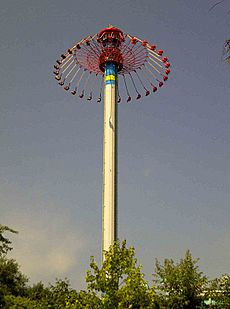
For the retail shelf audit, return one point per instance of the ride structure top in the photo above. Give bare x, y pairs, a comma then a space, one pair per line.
142, 66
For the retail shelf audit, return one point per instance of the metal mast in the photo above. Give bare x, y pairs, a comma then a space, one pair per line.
109, 209
111, 62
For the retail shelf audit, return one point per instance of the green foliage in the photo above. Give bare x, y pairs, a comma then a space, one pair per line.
59, 294
119, 283
37, 292
179, 285
12, 281
16, 302
84, 300
5, 242
219, 292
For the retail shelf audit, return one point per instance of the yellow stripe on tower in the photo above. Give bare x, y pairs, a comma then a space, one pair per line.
110, 77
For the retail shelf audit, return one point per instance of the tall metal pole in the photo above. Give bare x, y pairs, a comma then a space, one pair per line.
110, 158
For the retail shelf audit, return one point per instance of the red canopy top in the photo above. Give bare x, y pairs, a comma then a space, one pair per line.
109, 30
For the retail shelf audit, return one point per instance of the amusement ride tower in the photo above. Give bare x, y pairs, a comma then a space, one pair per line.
111, 54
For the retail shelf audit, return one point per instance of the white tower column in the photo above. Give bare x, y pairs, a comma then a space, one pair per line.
110, 158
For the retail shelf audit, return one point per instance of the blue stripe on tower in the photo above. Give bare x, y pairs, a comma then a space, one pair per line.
110, 73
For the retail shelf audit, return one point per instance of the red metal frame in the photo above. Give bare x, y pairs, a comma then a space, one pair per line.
131, 55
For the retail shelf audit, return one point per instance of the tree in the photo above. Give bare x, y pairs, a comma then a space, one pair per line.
219, 292
58, 295
226, 49
217, 3
118, 284
179, 285
16, 302
5, 242
12, 281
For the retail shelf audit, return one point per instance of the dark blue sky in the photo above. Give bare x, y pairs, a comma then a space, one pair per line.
174, 146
